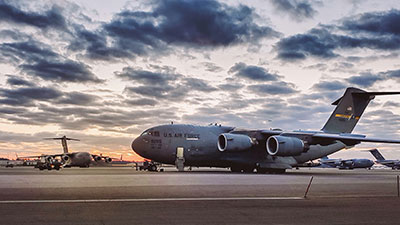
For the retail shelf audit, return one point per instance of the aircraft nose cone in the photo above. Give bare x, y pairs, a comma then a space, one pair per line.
134, 144
137, 146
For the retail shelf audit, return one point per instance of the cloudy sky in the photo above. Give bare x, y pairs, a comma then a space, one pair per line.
103, 71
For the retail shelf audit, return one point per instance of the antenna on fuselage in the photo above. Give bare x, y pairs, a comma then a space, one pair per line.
63, 141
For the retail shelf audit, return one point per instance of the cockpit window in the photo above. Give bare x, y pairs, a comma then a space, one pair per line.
151, 132
145, 133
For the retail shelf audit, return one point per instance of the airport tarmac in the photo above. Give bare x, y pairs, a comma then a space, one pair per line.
122, 195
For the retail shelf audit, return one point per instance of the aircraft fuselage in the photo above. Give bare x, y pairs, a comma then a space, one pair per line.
200, 148
81, 159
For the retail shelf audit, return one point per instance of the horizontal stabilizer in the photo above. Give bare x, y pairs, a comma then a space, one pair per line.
62, 138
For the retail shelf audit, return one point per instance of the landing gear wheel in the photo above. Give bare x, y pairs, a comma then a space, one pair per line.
153, 168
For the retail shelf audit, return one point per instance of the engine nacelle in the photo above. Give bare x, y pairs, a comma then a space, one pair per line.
65, 158
284, 146
234, 142
97, 158
107, 159
49, 159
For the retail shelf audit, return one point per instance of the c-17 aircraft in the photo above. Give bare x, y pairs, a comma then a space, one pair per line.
393, 163
78, 159
244, 150
345, 163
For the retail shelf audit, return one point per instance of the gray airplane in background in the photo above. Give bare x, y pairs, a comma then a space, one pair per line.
245, 150
393, 163
68, 159
345, 163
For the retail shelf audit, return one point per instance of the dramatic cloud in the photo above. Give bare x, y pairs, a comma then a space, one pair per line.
13, 13
391, 104
31, 95
26, 95
37, 59
364, 32
18, 81
230, 87
376, 23
66, 71
95, 46
190, 24
162, 85
365, 80
329, 86
198, 85
317, 43
255, 73
369, 79
77, 98
141, 102
146, 77
28, 51
393, 74
158, 92
278, 88
297, 9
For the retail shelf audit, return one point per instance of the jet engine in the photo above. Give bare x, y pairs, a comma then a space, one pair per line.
97, 158
107, 159
66, 159
234, 142
284, 146
49, 158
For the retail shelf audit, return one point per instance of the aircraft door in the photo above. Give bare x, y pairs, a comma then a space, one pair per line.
180, 159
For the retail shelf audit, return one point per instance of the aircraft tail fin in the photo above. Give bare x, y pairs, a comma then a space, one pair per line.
378, 156
349, 109
64, 144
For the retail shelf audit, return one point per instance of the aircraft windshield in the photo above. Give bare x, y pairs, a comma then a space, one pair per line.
151, 132
146, 132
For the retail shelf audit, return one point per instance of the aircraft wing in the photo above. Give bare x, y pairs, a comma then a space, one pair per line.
271, 132
353, 138
332, 137
39, 156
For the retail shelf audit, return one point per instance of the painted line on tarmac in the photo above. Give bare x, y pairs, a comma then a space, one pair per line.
148, 200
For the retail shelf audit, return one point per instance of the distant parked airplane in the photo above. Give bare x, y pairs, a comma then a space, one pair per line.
393, 163
81, 159
346, 163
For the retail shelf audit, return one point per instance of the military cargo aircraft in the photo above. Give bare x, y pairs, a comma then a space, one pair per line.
345, 163
271, 150
393, 163
67, 159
